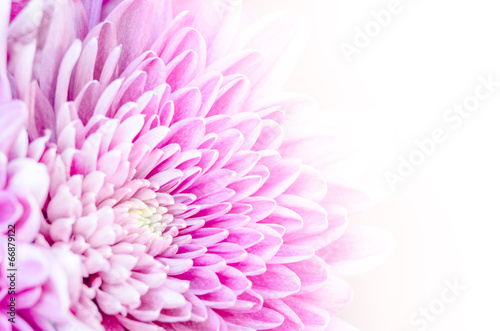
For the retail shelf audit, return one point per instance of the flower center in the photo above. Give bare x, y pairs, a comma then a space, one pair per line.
146, 214
155, 219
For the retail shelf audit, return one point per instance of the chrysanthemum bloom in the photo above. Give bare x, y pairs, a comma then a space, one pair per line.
170, 172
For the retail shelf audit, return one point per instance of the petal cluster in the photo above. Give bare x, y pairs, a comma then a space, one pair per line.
171, 177
34, 285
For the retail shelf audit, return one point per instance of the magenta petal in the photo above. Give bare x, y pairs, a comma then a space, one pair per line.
337, 224
181, 314
263, 319
231, 97
212, 323
222, 298
260, 207
285, 217
202, 280
209, 85
313, 273
277, 282
310, 315
128, 15
242, 162
245, 187
292, 321
282, 176
234, 279
93, 8
187, 133
314, 216
186, 39
227, 143
130, 324
211, 183
10, 210
309, 184
211, 261
291, 253
232, 253
268, 247
208, 236
187, 103
63, 78
28, 298
251, 265
244, 237
250, 125
248, 301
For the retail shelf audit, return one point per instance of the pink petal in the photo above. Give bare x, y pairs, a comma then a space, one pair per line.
260, 207
271, 244
231, 253
285, 217
251, 265
232, 96
244, 237
93, 9
128, 15
222, 298
314, 216
209, 85
63, 78
309, 184
202, 280
211, 261
310, 315
263, 319
187, 103
248, 301
234, 279
291, 253
212, 323
10, 210
277, 282
282, 176
313, 273
187, 133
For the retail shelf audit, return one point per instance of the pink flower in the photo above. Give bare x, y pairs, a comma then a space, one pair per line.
171, 175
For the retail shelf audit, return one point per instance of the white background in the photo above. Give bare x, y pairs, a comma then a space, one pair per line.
444, 217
